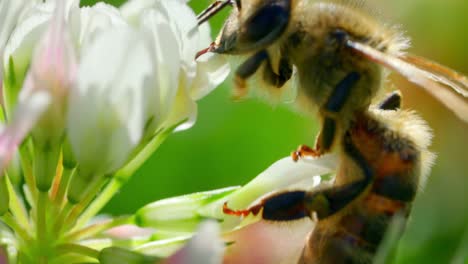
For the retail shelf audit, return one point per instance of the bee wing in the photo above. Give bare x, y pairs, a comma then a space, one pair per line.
434, 78
456, 81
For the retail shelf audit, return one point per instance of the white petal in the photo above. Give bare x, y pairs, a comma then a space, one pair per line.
212, 70
9, 12
87, 22
132, 10
166, 55
25, 37
184, 110
106, 116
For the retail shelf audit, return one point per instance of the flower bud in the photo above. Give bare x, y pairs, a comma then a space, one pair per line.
105, 115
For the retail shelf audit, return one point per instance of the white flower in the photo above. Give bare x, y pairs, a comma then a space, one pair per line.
174, 29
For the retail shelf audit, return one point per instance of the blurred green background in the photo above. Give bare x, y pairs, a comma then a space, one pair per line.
232, 142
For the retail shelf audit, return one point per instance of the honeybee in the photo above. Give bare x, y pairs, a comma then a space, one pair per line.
340, 56
383, 161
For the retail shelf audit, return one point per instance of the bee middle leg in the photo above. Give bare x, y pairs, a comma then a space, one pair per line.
330, 110
293, 205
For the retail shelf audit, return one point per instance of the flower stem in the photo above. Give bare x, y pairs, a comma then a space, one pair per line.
111, 188
81, 206
64, 212
121, 177
41, 217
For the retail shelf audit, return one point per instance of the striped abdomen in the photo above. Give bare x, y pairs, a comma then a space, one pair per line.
354, 234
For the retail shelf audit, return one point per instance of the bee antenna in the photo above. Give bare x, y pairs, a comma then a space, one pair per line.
212, 10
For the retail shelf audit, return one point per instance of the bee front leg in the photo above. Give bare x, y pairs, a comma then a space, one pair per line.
330, 111
246, 70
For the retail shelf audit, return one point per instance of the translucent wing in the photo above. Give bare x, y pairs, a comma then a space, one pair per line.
449, 87
456, 81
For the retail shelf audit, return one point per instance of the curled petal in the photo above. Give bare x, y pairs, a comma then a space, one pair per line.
284, 173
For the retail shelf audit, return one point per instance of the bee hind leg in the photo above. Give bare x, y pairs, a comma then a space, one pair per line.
294, 205
391, 101
318, 204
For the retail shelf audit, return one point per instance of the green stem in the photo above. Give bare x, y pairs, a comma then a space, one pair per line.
98, 228
81, 206
59, 220
122, 176
41, 218
104, 197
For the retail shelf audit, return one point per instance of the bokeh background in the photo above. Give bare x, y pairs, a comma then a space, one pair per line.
234, 141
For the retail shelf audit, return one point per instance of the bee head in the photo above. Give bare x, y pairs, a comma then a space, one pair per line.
251, 25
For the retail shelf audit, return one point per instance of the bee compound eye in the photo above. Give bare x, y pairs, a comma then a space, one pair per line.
267, 24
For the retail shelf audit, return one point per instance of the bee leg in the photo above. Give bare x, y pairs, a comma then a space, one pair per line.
391, 102
332, 107
293, 205
277, 79
247, 69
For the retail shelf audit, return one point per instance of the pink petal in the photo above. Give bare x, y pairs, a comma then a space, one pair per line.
267, 242
129, 231
206, 247
26, 114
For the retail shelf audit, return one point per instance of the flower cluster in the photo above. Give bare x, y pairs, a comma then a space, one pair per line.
87, 95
